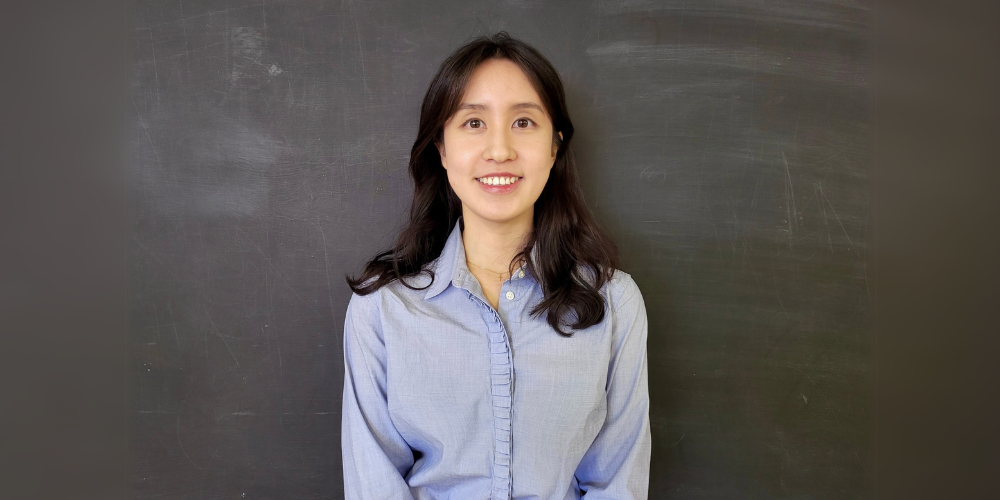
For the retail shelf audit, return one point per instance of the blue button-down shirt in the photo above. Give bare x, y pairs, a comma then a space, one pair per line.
446, 397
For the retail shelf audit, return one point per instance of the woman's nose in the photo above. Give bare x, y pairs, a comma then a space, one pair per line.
499, 148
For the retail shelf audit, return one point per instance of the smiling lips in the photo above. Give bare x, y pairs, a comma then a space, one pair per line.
498, 180
500, 183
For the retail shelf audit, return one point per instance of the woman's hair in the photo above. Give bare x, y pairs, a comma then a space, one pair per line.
568, 238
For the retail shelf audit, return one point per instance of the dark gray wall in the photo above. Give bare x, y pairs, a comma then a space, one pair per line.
726, 145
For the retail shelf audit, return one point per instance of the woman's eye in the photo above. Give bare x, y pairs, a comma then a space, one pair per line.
523, 122
474, 123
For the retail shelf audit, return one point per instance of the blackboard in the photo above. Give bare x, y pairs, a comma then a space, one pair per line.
725, 145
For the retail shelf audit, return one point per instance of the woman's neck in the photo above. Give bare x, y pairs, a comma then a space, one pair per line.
493, 245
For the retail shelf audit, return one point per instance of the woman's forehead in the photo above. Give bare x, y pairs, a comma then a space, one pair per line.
499, 83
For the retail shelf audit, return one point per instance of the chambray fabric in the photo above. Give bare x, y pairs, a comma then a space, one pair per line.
447, 398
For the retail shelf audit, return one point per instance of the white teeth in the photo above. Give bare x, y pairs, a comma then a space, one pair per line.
498, 181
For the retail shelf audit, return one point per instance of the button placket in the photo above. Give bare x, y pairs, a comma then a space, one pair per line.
501, 392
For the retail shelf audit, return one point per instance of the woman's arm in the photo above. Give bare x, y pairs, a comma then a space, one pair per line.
375, 456
617, 464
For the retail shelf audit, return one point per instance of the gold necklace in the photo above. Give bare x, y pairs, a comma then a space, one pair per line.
481, 267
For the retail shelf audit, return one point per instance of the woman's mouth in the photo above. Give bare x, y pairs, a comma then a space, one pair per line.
503, 184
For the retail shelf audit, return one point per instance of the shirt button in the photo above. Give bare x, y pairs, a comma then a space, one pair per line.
520, 274
510, 295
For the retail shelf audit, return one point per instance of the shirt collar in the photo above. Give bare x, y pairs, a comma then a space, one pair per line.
450, 266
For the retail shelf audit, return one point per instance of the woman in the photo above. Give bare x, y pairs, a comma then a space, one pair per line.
495, 351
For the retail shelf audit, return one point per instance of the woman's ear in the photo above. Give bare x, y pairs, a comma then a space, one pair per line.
440, 148
555, 145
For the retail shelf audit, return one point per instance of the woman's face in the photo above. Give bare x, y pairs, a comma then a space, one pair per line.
501, 129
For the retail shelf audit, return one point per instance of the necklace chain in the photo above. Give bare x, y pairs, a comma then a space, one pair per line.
490, 270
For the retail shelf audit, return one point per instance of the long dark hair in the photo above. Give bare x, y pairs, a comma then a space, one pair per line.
569, 240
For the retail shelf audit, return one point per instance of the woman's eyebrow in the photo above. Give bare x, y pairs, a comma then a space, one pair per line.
527, 105
483, 107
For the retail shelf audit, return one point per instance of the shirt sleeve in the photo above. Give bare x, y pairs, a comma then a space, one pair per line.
375, 456
616, 466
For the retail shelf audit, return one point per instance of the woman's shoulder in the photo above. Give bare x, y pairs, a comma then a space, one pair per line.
387, 301
620, 288
368, 301
396, 290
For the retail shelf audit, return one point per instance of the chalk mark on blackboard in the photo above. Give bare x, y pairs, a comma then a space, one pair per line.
173, 323
145, 129
789, 199
864, 264
276, 273
746, 232
216, 331
361, 55
156, 72
326, 258
156, 317
826, 224
774, 275
679, 440
824, 160
281, 372
827, 200
177, 429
